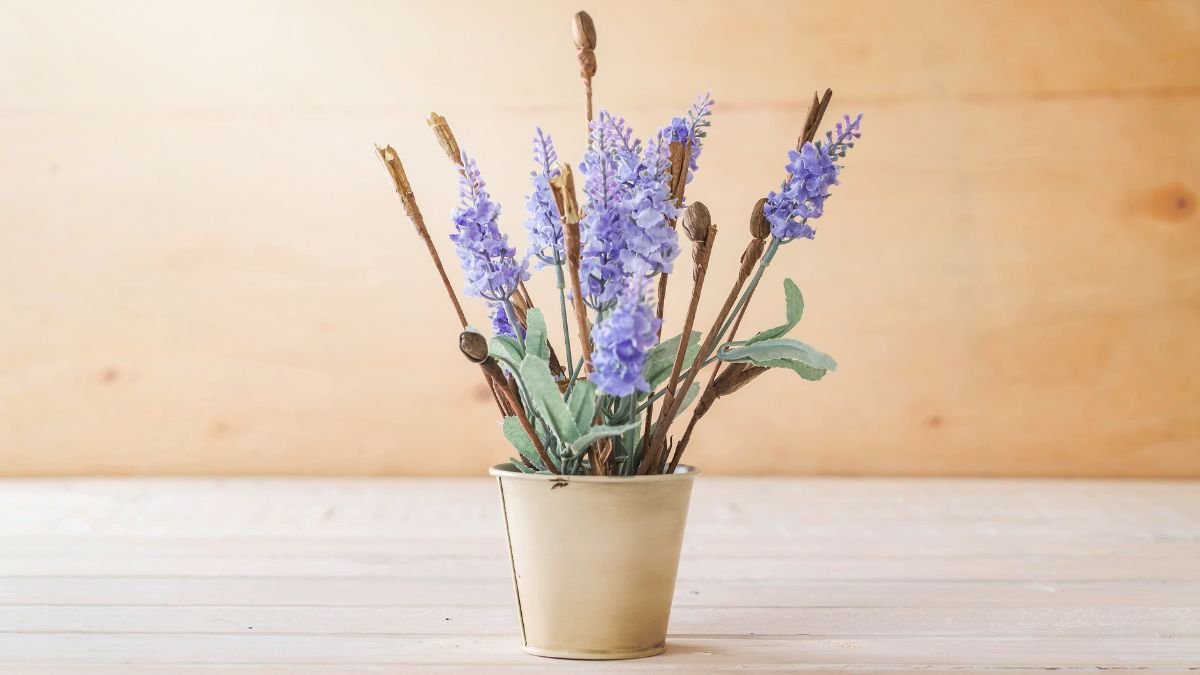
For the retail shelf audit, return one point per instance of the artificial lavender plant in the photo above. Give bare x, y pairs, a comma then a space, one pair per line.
612, 254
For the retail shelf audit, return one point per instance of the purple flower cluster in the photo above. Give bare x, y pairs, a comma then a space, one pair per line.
623, 338
603, 226
490, 264
500, 322
812, 171
626, 229
545, 222
651, 244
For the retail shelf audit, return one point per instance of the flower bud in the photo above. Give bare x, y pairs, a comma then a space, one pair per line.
584, 31
759, 227
696, 220
473, 345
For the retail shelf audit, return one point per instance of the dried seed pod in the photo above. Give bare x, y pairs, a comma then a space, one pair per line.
759, 227
584, 31
473, 345
587, 64
696, 220
735, 377
445, 137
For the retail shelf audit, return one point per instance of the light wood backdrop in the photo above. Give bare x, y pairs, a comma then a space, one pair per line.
203, 268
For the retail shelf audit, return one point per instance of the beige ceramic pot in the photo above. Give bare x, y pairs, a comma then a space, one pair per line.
594, 559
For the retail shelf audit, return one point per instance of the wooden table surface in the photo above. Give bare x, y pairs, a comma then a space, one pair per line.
410, 575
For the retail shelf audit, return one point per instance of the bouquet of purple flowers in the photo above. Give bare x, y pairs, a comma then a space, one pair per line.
593, 411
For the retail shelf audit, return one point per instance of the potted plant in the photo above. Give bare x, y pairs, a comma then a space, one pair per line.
594, 497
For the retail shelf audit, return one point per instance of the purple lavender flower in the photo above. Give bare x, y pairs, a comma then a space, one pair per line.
544, 223
500, 323
651, 244
811, 172
622, 339
603, 225
490, 264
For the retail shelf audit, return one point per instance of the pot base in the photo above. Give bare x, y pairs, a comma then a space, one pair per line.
597, 655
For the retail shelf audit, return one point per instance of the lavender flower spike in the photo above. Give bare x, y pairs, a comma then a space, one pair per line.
490, 264
544, 223
811, 172
603, 225
622, 340
651, 243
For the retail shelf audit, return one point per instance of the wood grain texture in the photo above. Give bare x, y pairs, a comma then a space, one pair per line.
409, 575
204, 269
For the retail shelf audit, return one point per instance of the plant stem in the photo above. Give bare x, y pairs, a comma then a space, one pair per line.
561, 281
511, 312
740, 307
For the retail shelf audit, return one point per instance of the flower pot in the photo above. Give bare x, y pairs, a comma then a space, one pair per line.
594, 559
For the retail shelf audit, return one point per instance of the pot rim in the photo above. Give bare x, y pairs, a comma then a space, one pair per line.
508, 471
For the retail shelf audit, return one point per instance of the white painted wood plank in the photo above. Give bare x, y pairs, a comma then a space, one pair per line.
469, 507
404, 563
686, 621
698, 653
450, 591
818, 541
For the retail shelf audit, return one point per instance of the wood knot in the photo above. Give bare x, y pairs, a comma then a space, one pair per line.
1173, 202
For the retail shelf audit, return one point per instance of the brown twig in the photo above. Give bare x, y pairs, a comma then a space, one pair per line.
699, 227
563, 187
583, 30
391, 161
474, 347
680, 154
750, 257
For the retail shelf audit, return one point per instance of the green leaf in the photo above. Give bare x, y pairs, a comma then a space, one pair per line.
692, 392
519, 465
661, 357
543, 393
506, 350
795, 309
521, 441
596, 433
536, 343
582, 403
805, 371
782, 353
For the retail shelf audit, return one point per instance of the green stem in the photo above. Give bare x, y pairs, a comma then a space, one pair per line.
560, 279
749, 290
511, 313
629, 441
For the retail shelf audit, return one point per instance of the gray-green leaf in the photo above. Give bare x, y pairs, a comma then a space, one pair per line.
596, 433
661, 357
506, 350
519, 465
546, 398
782, 353
536, 343
521, 441
582, 403
795, 309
